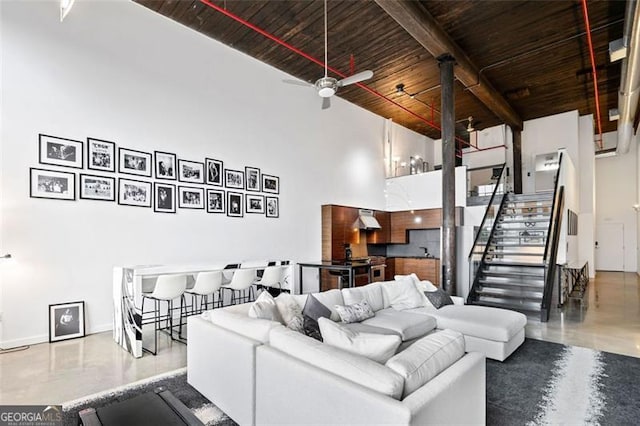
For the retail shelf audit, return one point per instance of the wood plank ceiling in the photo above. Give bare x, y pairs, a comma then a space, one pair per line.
535, 53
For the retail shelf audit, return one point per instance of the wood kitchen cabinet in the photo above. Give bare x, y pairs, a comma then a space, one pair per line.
382, 235
401, 222
424, 268
338, 230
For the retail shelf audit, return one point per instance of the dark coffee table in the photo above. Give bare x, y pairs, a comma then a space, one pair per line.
157, 408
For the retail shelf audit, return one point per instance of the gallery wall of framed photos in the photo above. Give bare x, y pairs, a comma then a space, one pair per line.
112, 173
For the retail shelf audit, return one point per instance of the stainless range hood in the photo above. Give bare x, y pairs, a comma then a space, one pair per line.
366, 220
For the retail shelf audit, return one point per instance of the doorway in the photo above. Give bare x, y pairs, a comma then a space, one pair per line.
609, 246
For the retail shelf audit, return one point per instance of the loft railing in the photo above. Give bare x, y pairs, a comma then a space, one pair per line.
551, 246
481, 242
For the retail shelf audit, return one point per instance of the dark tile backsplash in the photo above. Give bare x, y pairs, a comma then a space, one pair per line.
429, 238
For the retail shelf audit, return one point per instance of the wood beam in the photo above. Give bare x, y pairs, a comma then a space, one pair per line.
423, 27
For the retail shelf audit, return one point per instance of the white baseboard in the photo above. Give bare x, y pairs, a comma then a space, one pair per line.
34, 340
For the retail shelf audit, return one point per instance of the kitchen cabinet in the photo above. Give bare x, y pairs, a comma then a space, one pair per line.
424, 268
382, 235
401, 222
338, 230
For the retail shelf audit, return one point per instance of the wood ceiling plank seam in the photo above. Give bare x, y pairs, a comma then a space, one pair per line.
235, 31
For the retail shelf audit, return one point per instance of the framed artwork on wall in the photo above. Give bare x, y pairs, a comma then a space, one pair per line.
235, 206
190, 171
190, 197
234, 179
52, 184
97, 188
254, 203
134, 193
101, 155
165, 197
165, 165
214, 171
134, 162
60, 151
273, 208
270, 184
252, 177
66, 321
215, 201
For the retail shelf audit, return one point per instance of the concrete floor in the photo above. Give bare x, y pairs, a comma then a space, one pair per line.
62, 371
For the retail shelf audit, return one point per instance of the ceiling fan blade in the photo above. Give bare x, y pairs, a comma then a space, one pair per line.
356, 78
326, 103
297, 82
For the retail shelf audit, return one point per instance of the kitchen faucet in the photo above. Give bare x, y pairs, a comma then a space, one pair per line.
426, 251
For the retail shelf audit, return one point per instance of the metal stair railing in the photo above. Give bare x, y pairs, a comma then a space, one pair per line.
551, 246
486, 229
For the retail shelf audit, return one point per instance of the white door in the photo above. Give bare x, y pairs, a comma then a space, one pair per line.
609, 246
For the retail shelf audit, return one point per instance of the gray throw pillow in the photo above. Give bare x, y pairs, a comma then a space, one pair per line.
438, 298
312, 311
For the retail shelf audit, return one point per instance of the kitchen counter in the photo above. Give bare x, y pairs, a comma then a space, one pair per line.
412, 257
426, 268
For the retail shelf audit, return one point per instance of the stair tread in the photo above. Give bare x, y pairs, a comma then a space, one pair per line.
515, 286
510, 306
514, 263
511, 293
512, 274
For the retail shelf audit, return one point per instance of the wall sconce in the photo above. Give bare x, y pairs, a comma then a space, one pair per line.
636, 207
6, 256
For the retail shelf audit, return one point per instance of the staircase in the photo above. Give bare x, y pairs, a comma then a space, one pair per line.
511, 273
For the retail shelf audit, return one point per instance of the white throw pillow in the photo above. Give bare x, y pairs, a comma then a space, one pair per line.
265, 308
377, 347
290, 311
356, 312
403, 294
426, 358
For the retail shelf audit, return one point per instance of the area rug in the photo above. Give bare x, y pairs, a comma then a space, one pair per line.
542, 383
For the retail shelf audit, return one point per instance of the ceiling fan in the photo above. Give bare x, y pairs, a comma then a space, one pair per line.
327, 86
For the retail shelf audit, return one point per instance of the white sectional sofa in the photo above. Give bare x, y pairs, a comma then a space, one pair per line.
260, 372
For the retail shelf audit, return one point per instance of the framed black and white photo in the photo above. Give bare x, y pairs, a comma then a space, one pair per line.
97, 188
234, 179
165, 165
252, 178
272, 207
165, 197
60, 151
101, 155
254, 203
270, 184
66, 321
235, 206
190, 171
214, 171
215, 201
134, 162
134, 193
190, 197
52, 184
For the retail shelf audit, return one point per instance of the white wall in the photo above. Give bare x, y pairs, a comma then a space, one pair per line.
545, 135
423, 191
617, 192
586, 218
568, 247
117, 71
406, 143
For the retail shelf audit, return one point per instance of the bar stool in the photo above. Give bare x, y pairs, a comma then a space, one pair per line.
167, 288
207, 283
242, 281
272, 278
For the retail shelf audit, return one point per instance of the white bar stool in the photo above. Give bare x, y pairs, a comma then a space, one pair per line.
167, 288
242, 282
207, 283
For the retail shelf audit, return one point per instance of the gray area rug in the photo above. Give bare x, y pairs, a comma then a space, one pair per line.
542, 383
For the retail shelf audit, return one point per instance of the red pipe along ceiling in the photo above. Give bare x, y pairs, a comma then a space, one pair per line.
587, 25
320, 63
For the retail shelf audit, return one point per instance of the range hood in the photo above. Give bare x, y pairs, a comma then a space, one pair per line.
366, 220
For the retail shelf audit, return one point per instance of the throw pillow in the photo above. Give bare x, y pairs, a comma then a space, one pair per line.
438, 298
356, 312
403, 294
312, 311
290, 311
377, 347
265, 308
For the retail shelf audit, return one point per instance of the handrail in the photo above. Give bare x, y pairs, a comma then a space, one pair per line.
553, 210
551, 265
484, 218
